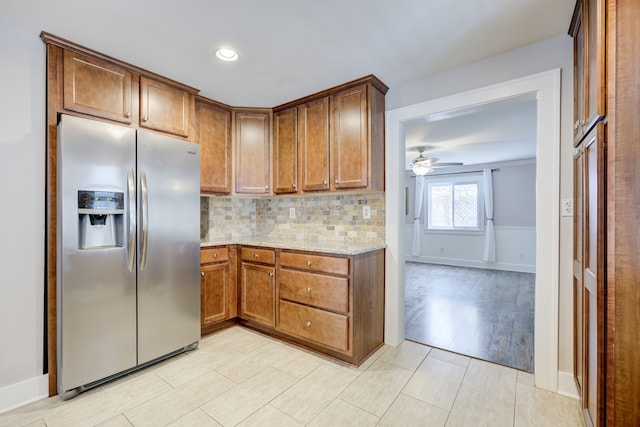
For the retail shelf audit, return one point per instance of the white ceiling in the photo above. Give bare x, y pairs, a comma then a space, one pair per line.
498, 132
292, 48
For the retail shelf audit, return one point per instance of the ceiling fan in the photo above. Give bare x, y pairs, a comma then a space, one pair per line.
423, 165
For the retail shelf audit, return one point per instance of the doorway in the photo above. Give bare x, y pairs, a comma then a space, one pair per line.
546, 89
459, 297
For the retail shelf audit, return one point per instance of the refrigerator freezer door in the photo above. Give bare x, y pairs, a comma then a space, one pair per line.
169, 238
96, 291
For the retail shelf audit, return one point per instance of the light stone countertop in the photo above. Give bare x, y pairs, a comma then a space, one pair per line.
331, 247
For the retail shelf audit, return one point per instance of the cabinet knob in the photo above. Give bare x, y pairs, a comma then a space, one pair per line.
309, 290
202, 273
335, 181
325, 182
308, 263
308, 323
266, 187
215, 255
145, 118
127, 114
270, 274
293, 185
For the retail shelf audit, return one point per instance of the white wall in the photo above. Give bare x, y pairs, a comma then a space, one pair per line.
514, 194
22, 182
554, 53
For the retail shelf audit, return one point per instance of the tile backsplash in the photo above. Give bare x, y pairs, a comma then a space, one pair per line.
322, 217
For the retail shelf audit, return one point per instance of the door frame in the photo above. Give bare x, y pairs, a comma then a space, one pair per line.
545, 87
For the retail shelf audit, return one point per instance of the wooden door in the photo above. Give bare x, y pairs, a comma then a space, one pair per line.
252, 152
313, 145
594, 79
350, 145
578, 250
165, 108
213, 292
214, 137
577, 32
593, 277
96, 88
285, 151
258, 293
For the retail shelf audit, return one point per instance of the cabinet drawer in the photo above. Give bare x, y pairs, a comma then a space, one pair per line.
331, 293
209, 255
322, 327
321, 263
264, 256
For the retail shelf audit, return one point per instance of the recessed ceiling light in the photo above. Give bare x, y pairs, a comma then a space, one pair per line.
226, 54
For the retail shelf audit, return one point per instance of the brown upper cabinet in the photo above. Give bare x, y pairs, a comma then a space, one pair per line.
340, 137
313, 144
164, 107
89, 83
252, 151
588, 32
213, 123
285, 151
96, 88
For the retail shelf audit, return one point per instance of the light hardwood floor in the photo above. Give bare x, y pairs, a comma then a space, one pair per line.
486, 314
239, 377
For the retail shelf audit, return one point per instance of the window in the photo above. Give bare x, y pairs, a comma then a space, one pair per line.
454, 205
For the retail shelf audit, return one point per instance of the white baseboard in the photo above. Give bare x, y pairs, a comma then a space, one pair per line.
522, 268
567, 385
16, 395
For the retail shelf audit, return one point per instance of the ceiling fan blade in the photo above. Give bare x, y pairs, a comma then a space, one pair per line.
446, 164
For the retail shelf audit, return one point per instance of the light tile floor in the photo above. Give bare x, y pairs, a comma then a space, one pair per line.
239, 377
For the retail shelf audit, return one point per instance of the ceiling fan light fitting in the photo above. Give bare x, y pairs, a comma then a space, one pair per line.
421, 169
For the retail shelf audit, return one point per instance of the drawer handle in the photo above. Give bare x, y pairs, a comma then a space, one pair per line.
309, 263
308, 324
255, 256
308, 290
215, 255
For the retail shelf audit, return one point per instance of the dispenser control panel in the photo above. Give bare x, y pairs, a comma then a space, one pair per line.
100, 200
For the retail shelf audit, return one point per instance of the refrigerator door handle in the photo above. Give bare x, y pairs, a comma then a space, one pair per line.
144, 213
131, 253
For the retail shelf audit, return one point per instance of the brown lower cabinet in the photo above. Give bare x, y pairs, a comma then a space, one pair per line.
218, 294
332, 304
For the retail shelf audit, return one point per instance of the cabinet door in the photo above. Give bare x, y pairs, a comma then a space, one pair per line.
258, 293
313, 145
578, 72
251, 152
595, 78
214, 137
165, 108
350, 145
285, 151
213, 292
593, 277
578, 250
96, 88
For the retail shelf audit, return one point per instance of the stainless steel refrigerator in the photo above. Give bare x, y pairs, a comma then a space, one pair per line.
128, 240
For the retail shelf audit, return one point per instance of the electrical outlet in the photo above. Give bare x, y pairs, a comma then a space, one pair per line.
366, 212
566, 207
292, 212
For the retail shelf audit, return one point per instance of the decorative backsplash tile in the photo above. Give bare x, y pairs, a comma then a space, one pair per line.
326, 217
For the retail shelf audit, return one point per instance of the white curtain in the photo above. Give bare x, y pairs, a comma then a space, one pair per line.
415, 248
489, 254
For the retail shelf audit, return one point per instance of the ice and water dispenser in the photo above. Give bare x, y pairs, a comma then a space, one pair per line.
100, 219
